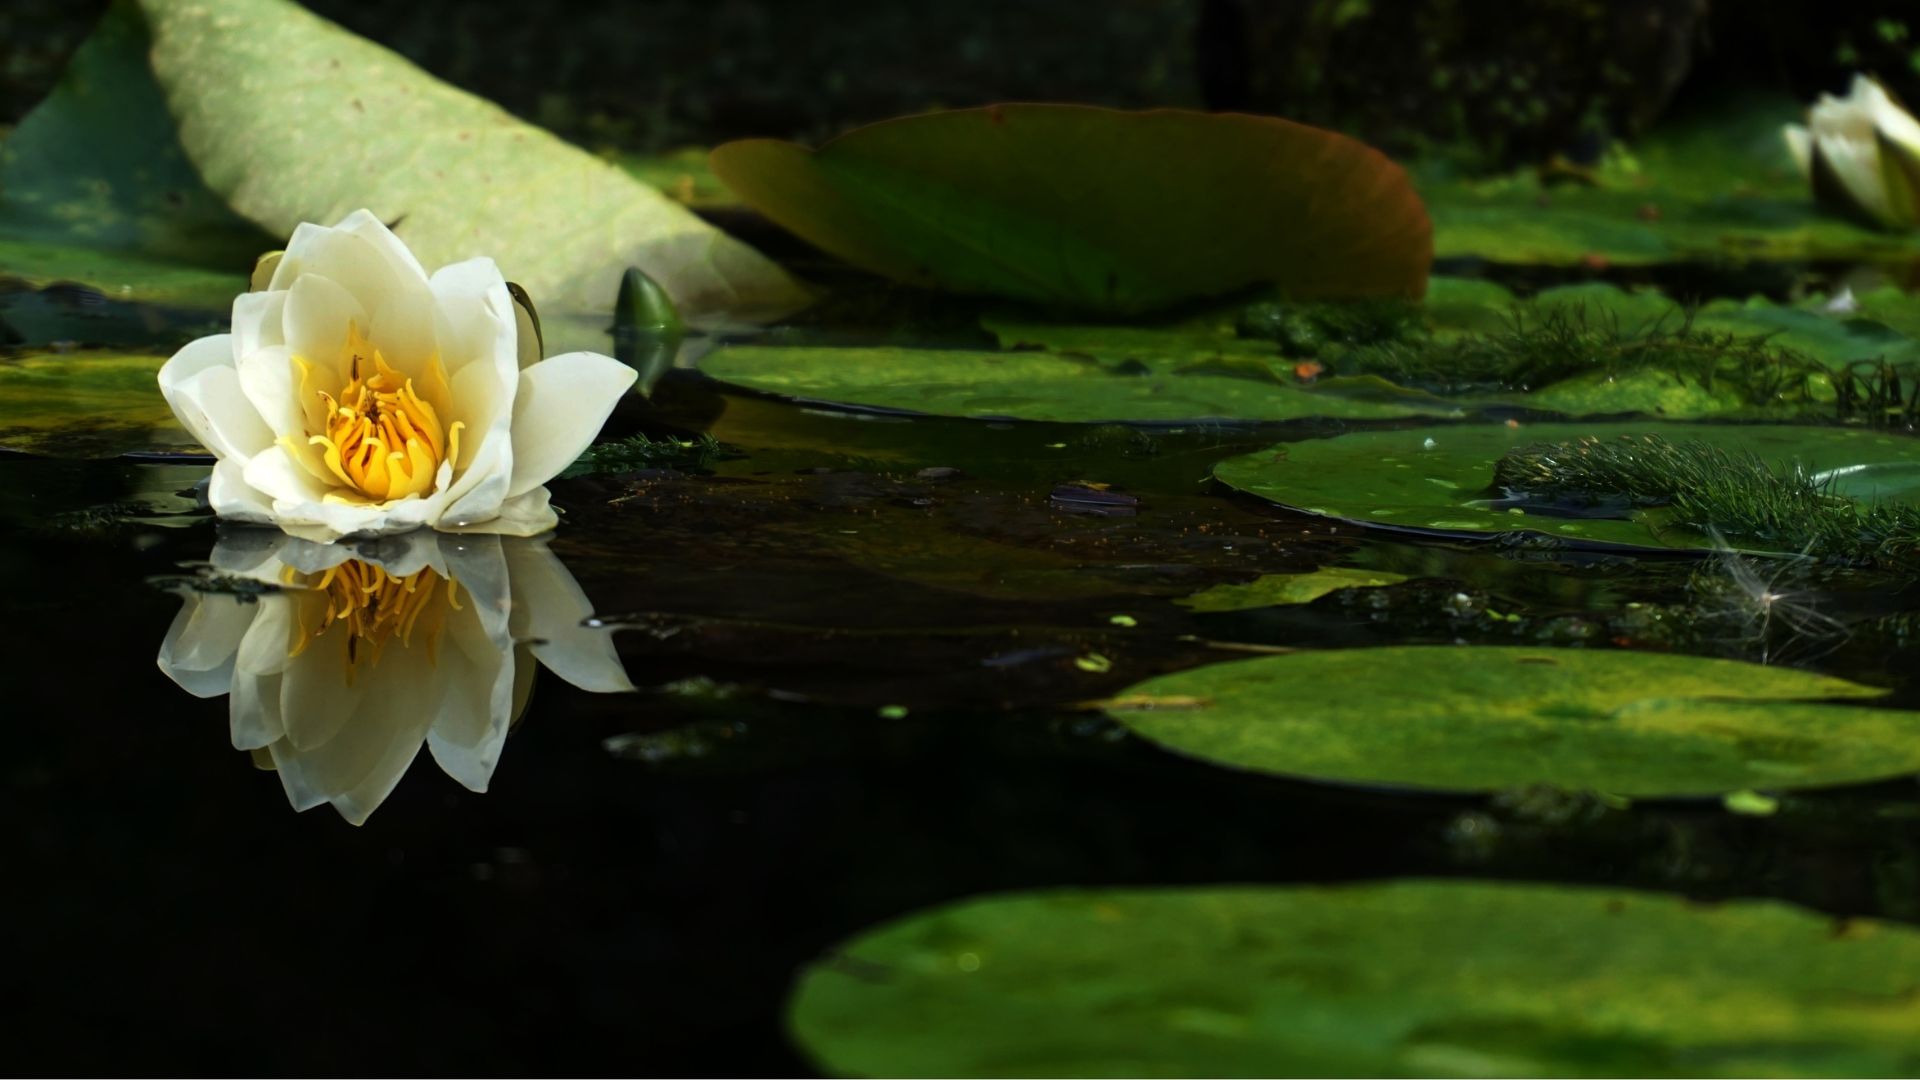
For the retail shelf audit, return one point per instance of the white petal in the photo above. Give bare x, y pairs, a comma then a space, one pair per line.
1800, 145
320, 312
550, 610
272, 385
368, 226
561, 404
528, 515
1856, 164
203, 389
233, 498
403, 328
257, 322
275, 474
475, 317
359, 265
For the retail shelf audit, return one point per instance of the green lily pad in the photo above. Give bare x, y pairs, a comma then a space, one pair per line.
95, 189
1270, 590
1484, 718
1412, 978
1040, 385
1096, 209
1720, 186
1440, 478
86, 404
291, 119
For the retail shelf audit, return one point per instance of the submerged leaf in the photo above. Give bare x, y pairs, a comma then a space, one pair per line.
1485, 718
1097, 209
1409, 978
1270, 590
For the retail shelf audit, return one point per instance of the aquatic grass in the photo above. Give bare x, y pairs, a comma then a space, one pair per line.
640, 452
1540, 346
1709, 489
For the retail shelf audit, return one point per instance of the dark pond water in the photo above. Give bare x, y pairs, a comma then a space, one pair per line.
866, 650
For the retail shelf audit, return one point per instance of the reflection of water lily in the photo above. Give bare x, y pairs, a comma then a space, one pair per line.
337, 678
357, 395
1862, 154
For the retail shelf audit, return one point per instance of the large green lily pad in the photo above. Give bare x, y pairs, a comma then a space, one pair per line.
289, 118
1717, 186
1441, 478
1030, 385
1097, 209
1414, 978
86, 404
95, 189
1484, 718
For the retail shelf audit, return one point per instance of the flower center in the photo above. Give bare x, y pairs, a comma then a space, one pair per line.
379, 437
372, 607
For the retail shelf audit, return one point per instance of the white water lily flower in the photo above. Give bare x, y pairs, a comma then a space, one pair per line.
1862, 153
363, 652
357, 395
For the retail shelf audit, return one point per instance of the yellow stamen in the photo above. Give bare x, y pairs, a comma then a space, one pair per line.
378, 438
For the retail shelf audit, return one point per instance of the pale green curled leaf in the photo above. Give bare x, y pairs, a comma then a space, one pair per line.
1404, 978
86, 404
293, 119
95, 189
1097, 209
1441, 478
1270, 590
1484, 718
1030, 385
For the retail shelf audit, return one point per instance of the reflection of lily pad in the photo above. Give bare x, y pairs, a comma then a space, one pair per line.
1097, 209
86, 404
1461, 718
1396, 478
1270, 590
1036, 385
1416, 978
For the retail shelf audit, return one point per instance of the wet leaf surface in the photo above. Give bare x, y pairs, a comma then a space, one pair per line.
1406, 978
258, 91
1441, 478
1096, 209
1482, 719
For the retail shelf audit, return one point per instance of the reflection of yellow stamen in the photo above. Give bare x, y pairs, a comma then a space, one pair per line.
378, 437
369, 607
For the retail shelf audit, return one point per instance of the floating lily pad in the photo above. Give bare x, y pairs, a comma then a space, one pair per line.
86, 404
1720, 186
1441, 478
1270, 590
1030, 385
1097, 209
1484, 718
291, 119
1414, 978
